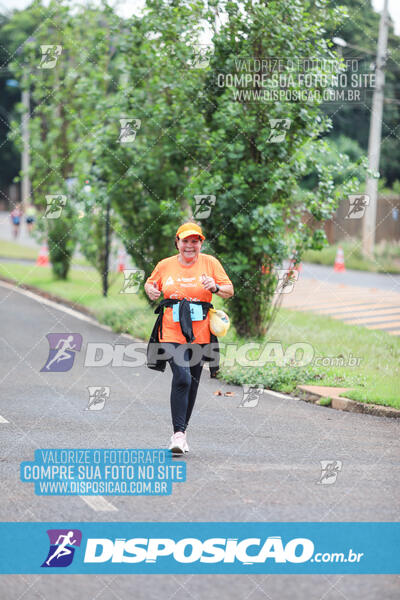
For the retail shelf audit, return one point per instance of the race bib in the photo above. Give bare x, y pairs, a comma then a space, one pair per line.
196, 312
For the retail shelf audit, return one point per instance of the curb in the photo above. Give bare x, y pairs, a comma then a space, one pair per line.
78, 309
348, 405
48, 296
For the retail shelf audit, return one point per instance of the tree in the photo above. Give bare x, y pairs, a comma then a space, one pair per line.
10, 96
158, 95
129, 106
262, 217
360, 31
65, 66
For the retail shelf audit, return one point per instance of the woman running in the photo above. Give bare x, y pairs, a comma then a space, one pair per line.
16, 215
30, 215
188, 281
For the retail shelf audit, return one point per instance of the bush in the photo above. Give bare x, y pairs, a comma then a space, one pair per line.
282, 379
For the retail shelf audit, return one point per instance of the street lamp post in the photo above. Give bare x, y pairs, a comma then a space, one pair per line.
25, 158
375, 134
107, 248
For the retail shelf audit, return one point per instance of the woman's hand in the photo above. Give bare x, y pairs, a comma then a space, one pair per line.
208, 282
152, 290
225, 291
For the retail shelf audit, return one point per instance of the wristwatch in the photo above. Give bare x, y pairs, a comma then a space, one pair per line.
217, 288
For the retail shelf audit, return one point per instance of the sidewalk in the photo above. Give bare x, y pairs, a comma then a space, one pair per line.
382, 281
374, 308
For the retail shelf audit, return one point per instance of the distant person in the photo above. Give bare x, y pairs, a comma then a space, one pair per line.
16, 215
30, 216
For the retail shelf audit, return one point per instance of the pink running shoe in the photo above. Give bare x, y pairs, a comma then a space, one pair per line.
178, 441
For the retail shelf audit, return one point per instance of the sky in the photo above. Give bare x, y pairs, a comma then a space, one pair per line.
127, 7
394, 11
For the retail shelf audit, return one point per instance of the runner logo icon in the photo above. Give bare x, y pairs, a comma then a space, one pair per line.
62, 547
329, 471
62, 351
97, 397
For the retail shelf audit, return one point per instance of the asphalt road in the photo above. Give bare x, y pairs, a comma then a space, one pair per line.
245, 464
379, 281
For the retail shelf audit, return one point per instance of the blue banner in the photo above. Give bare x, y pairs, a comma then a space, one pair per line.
102, 472
291, 548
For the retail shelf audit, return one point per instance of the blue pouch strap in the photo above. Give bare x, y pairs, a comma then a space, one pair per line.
196, 312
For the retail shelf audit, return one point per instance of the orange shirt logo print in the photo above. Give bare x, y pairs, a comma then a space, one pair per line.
186, 281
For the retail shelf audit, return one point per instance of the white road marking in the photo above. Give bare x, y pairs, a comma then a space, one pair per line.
99, 503
66, 309
62, 307
374, 318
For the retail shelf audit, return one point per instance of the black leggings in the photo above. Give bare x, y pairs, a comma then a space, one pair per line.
185, 382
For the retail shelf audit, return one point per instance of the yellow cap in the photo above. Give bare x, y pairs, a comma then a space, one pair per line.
189, 229
219, 322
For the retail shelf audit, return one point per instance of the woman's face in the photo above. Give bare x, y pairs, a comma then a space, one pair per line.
189, 247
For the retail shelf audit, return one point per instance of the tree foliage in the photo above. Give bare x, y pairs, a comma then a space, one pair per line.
262, 215
192, 137
360, 31
66, 111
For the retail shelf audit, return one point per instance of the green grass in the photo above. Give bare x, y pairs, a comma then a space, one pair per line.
325, 401
387, 257
15, 250
11, 249
375, 380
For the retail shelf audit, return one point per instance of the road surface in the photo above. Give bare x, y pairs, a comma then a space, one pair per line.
245, 464
371, 300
